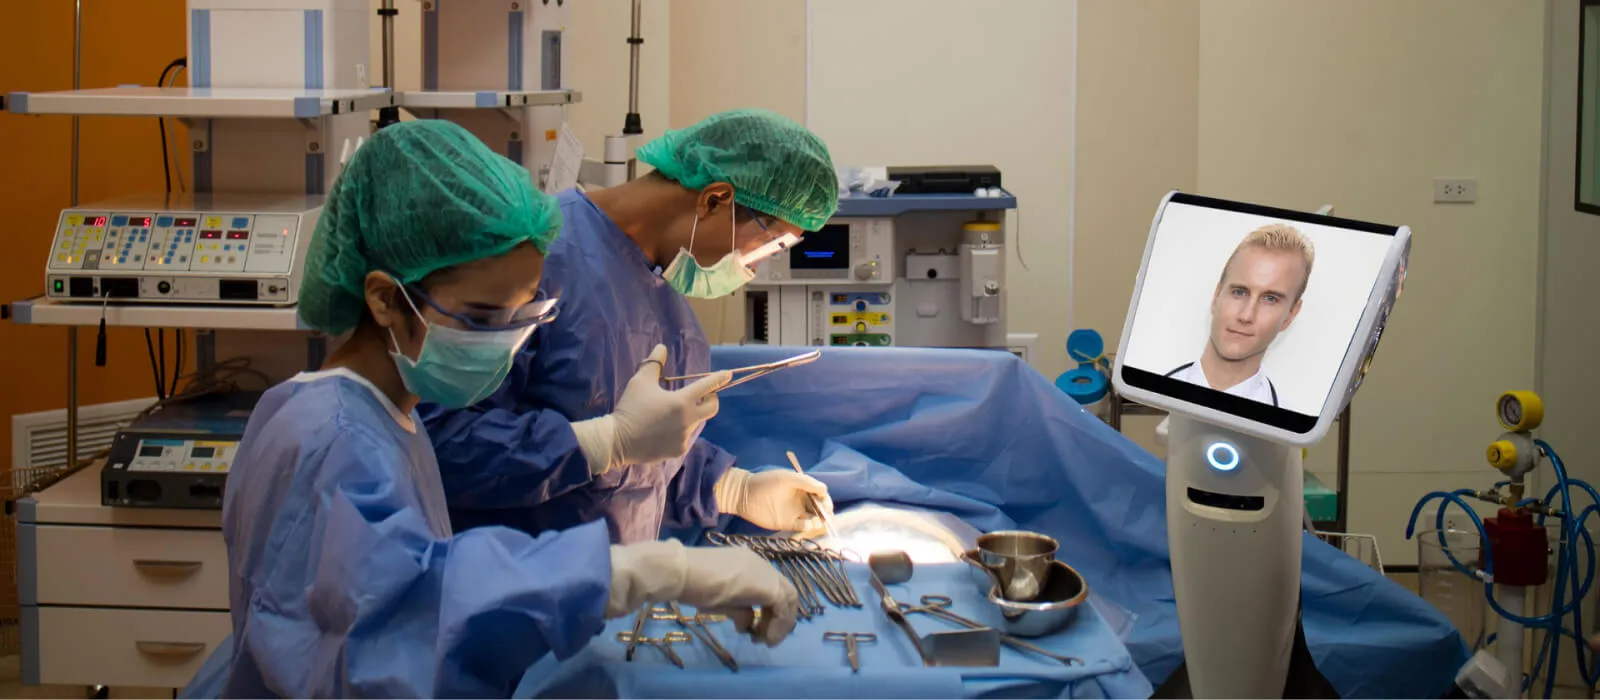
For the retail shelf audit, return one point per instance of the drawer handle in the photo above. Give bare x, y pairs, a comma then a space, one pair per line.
160, 567
184, 649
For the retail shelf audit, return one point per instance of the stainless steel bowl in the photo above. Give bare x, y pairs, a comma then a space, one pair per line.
1022, 561
1051, 611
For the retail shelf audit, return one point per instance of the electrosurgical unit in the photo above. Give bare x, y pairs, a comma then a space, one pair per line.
178, 456
1253, 327
197, 249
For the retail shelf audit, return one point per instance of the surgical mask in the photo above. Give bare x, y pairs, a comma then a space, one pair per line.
458, 368
686, 275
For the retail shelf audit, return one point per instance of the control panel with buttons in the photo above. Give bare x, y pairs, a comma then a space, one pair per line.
205, 249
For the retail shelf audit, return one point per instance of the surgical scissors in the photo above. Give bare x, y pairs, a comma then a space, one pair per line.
755, 371
851, 650
664, 643
696, 625
939, 606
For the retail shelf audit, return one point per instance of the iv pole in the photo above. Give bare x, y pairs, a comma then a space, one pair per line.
631, 124
388, 116
72, 331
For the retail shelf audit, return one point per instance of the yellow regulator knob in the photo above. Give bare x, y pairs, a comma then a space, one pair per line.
1502, 454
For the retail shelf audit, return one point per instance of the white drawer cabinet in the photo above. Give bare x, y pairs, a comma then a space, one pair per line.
125, 647
117, 596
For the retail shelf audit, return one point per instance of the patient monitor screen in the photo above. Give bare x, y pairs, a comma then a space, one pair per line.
1251, 310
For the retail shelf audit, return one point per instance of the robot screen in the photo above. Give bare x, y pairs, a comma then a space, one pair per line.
1252, 311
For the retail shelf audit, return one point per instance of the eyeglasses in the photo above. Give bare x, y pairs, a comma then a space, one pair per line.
758, 216
540, 311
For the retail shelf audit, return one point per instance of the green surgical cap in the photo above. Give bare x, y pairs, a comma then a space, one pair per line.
776, 166
419, 197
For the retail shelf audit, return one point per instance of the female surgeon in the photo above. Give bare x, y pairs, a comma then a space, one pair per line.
559, 444
345, 579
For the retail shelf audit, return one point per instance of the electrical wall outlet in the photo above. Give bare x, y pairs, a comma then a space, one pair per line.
1455, 189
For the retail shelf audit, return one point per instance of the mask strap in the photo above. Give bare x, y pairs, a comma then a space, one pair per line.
733, 228
407, 297
693, 226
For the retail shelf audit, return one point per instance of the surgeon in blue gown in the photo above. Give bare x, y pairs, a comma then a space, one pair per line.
345, 576
557, 446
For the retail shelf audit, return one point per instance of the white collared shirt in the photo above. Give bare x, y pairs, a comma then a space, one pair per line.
1257, 388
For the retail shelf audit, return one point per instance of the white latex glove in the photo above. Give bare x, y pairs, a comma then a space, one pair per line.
777, 499
730, 581
650, 423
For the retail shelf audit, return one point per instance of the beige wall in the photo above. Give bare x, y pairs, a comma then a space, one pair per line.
1360, 103
1570, 335
918, 82
1138, 106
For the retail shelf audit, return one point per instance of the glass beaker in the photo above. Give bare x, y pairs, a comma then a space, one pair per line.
1456, 594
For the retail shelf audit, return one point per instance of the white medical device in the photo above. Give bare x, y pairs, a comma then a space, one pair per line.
195, 249
1211, 305
918, 270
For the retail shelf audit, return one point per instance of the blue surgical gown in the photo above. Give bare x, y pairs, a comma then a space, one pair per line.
512, 460
344, 579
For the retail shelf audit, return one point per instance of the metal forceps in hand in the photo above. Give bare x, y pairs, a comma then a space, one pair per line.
696, 625
939, 606
851, 648
754, 371
664, 643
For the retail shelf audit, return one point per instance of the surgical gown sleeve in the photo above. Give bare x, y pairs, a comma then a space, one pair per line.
492, 457
691, 497
395, 610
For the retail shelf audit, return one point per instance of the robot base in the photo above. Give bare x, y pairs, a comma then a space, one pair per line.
1304, 681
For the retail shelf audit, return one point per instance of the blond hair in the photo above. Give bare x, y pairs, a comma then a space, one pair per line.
1281, 238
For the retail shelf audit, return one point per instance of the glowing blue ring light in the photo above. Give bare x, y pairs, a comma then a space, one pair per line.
1222, 456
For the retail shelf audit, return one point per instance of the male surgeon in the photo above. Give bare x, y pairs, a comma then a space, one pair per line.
1257, 297
583, 428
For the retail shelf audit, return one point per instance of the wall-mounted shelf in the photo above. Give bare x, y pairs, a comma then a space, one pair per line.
895, 205
201, 103
40, 311
487, 99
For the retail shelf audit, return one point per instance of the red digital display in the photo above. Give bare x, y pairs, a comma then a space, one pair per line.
211, 234
238, 235
94, 221
183, 223
139, 221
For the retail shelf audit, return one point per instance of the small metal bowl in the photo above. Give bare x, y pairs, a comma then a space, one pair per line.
1022, 561
1051, 611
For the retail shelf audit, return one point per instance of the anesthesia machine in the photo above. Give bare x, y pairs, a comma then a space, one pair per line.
1234, 492
924, 267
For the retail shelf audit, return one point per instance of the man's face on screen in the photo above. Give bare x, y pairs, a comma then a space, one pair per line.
1257, 299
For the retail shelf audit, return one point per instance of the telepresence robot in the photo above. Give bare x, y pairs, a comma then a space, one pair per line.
1205, 300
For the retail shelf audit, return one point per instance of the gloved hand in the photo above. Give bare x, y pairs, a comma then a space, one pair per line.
776, 499
650, 423
730, 581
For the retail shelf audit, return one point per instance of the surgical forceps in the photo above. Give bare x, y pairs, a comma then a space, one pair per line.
816, 572
696, 625
851, 650
754, 371
663, 642
939, 606
638, 631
